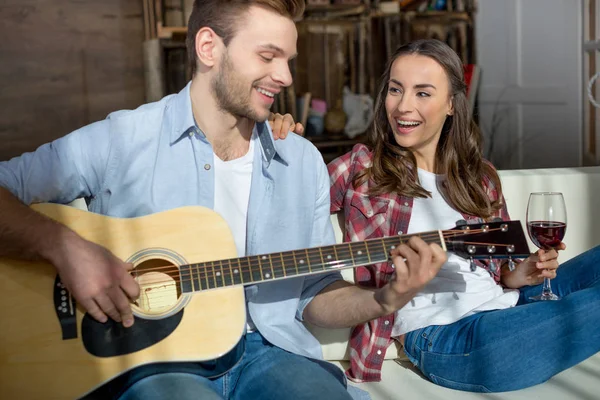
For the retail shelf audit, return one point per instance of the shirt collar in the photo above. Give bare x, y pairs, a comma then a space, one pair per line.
181, 116
183, 123
270, 149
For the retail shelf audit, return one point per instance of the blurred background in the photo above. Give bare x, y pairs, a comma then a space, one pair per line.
528, 64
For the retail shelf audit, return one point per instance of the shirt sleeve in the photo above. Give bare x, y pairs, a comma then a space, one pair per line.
60, 171
322, 235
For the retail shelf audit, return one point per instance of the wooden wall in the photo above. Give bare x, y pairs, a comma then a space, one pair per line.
64, 64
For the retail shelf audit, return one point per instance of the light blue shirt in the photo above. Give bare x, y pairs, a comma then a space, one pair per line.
155, 158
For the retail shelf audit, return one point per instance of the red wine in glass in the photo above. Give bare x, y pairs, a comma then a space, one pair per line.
546, 234
546, 225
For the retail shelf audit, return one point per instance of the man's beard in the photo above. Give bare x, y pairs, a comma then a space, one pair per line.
232, 95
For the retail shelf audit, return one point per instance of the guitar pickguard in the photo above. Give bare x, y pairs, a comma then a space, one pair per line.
111, 339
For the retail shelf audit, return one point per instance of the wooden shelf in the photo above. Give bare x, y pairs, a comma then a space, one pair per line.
325, 141
455, 15
334, 11
340, 45
168, 32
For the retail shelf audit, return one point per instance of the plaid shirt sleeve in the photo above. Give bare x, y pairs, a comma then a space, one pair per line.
366, 217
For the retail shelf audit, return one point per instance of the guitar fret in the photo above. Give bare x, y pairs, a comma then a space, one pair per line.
392, 243
350, 251
236, 277
194, 277
212, 280
220, 275
245, 270
343, 252
359, 254
227, 276
314, 260
260, 269
271, 265
379, 250
217, 276
267, 268
341, 263
329, 257
295, 263
240, 270
186, 284
322, 259
255, 273
368, 252
197, 277
204, 276
283, 265
214, 274
277, 265
301, 262
201, 271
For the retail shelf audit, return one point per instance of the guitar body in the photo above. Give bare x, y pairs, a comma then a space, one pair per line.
37, 362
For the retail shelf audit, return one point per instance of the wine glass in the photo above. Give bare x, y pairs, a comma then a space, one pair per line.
546, 224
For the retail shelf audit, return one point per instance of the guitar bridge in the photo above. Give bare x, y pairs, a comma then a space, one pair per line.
64, 305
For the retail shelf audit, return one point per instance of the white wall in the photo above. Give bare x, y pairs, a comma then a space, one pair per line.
530, 52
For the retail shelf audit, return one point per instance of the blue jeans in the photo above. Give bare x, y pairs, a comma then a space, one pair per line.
264, 372
518, 347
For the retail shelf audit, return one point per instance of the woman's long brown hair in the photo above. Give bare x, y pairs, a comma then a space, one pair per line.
459, 153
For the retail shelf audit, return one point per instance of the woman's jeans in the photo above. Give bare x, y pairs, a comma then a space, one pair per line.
518, 347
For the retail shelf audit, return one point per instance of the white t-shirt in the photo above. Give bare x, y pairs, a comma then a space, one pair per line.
233, 180
456, 291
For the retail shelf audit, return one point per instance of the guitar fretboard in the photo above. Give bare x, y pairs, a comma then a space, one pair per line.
265, 267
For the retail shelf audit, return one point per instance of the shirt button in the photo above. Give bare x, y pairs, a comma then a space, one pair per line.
400, 232
378, 352
406, 204
207, 166
191, 133
386, 322
369, 213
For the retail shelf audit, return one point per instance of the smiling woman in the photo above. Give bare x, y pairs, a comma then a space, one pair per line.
423, 170
423, 106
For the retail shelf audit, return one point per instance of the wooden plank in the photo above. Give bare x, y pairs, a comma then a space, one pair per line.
154, 68
592, 68
146, 20
352, 57
187, 10
64, 65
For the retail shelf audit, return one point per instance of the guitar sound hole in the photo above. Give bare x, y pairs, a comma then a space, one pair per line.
160, 287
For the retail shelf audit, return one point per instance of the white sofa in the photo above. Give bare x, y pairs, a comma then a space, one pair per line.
400, 380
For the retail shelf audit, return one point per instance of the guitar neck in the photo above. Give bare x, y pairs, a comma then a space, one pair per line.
288, 264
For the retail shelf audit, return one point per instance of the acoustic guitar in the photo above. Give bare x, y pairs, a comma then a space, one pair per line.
191, 305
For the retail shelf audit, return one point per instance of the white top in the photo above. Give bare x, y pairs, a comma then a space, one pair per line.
233, 180
456, 291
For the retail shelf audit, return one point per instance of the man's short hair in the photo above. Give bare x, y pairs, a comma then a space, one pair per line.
222, 17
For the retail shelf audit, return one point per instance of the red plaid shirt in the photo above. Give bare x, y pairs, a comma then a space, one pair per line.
369, 217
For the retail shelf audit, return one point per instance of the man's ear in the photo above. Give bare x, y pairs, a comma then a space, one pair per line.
208, 45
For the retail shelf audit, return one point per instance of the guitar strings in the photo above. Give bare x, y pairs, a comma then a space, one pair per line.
203, 273
288, 256
284, 256
204, 267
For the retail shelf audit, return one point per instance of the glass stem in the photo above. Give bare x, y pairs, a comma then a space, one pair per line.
546, 289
